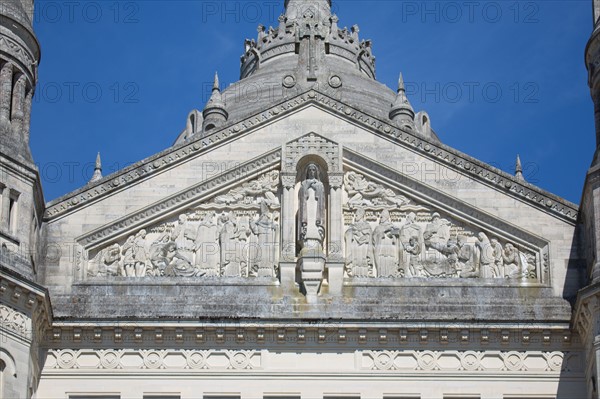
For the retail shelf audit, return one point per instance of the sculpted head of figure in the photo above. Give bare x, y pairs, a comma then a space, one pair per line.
360, 214
482, 237
385, 216
413, 240
312, 172
411, 217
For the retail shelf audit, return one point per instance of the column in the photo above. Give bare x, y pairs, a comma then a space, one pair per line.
335, 258
4, 212
27, 119
287, 265
18, 105
6, 75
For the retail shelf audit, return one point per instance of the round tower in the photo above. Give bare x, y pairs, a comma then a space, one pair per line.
19, 58
592, 62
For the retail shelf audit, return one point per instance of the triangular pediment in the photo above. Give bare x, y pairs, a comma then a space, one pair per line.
197, 147
427, 233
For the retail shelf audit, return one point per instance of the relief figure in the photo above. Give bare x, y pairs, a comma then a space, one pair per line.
311, 212
385, 242
206, 246
266, 231
359, 249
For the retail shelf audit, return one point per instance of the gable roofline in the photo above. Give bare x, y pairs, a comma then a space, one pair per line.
448, 156
188, 197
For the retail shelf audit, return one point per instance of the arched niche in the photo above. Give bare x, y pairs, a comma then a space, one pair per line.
8, 373
296, 156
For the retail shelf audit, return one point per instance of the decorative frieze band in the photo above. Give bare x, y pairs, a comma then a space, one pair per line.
384, 361
121, 359
471, 361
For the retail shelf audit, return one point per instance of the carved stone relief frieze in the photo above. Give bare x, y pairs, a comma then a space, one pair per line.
234, 234
389, 236
13, 320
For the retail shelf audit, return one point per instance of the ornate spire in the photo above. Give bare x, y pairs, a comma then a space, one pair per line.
97, 170
214, 113
401, 110
216, 83
519, 169
295, 9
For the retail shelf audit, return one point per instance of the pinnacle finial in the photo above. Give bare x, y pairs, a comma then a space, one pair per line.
401, 110
214, 112
519, 169
216, 82
97, 170
401, 83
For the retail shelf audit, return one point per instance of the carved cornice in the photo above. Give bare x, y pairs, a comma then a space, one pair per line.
24, 306
188, 197
13, 320
441, 153
344, 333
586, 313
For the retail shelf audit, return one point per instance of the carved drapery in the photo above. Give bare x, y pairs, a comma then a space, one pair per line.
410, 240
251, 231
235, 234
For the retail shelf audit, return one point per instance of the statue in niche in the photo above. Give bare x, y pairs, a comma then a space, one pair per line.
486, 256
467, 263
311, 211
140, 254
207, 246
498, 260
359, 249
231, 261
385, 242
128, 256
267, 242
437, 233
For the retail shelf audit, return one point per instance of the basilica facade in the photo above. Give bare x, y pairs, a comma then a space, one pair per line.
314, 265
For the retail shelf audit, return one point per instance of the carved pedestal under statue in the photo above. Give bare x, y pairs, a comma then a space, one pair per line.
311, 231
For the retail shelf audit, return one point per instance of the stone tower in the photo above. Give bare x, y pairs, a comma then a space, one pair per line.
587, 310
21, 203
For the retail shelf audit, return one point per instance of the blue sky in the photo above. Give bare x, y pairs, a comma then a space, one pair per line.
497, 77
